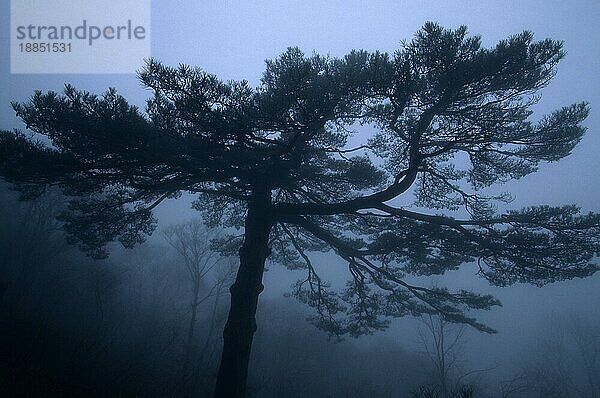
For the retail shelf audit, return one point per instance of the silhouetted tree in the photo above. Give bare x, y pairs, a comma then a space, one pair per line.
565, 361
448, 119
192, 242
442, 344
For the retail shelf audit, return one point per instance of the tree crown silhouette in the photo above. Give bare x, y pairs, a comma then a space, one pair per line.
446, 118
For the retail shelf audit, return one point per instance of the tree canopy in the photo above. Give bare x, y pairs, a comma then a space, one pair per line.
440, 120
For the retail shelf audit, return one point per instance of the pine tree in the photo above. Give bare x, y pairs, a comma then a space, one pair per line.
446, 119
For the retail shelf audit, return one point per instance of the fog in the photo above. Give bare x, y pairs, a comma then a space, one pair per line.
74, 326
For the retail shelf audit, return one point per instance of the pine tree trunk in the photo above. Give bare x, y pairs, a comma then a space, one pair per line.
241, 323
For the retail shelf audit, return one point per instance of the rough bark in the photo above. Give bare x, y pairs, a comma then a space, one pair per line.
241, 323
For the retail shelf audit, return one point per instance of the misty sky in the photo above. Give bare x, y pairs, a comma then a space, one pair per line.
232, 40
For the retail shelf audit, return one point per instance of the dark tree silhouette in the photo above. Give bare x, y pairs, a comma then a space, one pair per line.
442, 345
192, 242
448, 119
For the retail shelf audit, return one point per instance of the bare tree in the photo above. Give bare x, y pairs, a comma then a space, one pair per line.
442, 342
565, 362
209, 273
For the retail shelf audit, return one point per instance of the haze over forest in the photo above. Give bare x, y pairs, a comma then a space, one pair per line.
148, 321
